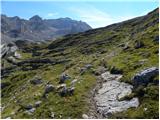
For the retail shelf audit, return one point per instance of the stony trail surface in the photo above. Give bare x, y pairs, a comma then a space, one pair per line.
110, 91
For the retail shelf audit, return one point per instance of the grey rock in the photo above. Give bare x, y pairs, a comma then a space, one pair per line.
63, 92
138, 44
28, 107
66, 91
17, 55
100, 70
8, 118
36, 81
49, 88
8, 50
144, 76
85, 68
61, 86
13, 113
88, 66
32, 110
145, 109
73, 82
71, 91
84, 116
64, 77
52, 115
37, 104
107, 97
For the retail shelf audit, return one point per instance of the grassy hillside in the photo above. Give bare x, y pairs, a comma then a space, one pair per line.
128, 47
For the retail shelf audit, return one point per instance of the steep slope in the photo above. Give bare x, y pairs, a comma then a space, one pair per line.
77, 61
37, 29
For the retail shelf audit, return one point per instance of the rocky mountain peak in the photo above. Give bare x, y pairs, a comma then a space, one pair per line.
35, 18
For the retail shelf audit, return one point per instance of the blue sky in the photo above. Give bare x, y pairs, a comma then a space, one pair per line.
97, 13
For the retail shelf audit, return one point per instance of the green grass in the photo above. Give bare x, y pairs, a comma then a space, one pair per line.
97, 48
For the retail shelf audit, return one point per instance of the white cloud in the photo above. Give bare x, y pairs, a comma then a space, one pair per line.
51, 15
97, 18
93, 16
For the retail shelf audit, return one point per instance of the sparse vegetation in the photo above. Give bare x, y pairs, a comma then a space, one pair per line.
98, 47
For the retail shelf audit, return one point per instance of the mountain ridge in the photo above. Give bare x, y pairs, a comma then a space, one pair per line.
38, 29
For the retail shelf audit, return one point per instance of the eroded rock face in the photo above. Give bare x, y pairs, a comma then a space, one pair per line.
143, 77
107, 97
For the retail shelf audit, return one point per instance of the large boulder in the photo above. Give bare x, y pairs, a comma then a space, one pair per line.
145, 76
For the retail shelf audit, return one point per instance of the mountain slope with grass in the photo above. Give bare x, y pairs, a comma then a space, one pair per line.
58, 79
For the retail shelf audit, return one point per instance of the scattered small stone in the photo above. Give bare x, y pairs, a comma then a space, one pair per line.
28, 107
70, 91
84, 116
64, 77
36, 81
138, 44
8, 118
61, 86
17, 55
52, 114
37, 104
145, 109
88, 66
100, 70
63, 92
73, 82
13, 113
85, 68
32, 110
49, 88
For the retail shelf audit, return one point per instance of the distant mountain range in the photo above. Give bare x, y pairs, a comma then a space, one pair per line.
38, 29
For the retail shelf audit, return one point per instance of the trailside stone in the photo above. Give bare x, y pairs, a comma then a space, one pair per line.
144, 77
64, 77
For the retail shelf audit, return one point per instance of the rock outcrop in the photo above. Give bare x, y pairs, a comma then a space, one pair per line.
145, 76
108, 97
